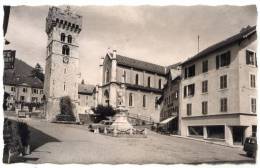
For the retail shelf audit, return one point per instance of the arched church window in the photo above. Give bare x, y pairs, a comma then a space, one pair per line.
62, 37
65, 50
136, 79
69, 39
149, 81
107, 76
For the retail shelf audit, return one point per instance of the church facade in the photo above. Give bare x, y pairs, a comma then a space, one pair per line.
141, 81
61, 70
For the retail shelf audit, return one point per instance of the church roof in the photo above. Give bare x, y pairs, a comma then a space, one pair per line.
86, 89
243, 34
141, 65
21, 75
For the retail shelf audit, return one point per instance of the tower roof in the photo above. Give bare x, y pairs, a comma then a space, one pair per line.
64, 19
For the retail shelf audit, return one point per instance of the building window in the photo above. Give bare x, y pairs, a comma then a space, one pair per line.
13, 89
204, 86
136, 79
35, 91
251, 58
64, 86
24, 90
205, 107
124, 77
65, 50
223, 82
195, 130
107, 76
69, 39
205, 66
149, 81
223, 105
252, 81
176, 95
130, 99
189, 71
144, 100
62, 37
254, 130
223, 59
189, 109
189, 90
160, 83
21, 98
156, 103
253, 105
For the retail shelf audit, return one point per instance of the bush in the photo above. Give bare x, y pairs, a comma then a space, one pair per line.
103, 112
66, 111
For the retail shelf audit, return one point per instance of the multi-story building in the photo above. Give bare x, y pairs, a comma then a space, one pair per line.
170, 100
21, 86
219, 90
86, 95
141, 81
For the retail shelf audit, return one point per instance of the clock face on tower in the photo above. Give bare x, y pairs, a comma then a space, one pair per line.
66, 59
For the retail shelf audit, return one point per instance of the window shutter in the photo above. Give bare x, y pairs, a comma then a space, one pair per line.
217, 61
228, 58
247, 58
185, 91
255, 60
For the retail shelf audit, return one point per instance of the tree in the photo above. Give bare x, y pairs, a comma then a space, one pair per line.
38, 72
103, 112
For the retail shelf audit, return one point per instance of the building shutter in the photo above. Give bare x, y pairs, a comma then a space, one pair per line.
186, 73
185, 91
228, 57
247, 58
255, 60
217, 61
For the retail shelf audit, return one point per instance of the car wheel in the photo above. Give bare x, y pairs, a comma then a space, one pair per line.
249, 154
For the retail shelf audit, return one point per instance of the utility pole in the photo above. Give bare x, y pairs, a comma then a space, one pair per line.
198, 43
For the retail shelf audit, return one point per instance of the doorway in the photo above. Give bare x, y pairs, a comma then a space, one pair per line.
238, 135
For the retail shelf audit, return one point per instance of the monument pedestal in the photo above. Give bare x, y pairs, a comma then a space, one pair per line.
121, 123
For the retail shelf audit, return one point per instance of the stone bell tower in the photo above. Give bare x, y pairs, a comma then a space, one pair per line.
61, 70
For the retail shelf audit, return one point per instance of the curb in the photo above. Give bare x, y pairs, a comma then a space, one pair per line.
210, 142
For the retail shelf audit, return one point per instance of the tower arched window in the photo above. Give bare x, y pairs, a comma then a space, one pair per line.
65, 50
136, 79
62, 37
69, 39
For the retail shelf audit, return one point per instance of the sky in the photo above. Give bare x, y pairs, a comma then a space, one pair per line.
162, 35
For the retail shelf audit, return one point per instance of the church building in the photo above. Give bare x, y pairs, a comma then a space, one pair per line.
143, 83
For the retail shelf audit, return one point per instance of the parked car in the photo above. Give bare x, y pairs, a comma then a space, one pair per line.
101, 125
250, 146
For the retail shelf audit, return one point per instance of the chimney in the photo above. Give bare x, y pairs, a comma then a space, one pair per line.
114, 54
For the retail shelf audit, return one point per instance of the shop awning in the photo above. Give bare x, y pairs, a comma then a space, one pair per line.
167, 120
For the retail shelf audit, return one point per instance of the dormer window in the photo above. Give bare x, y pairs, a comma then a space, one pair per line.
223, 59
250, 58
189, 71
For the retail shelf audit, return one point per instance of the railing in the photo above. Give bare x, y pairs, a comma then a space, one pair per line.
140, 117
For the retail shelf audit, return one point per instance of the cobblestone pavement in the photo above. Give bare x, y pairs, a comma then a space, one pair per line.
60, 143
